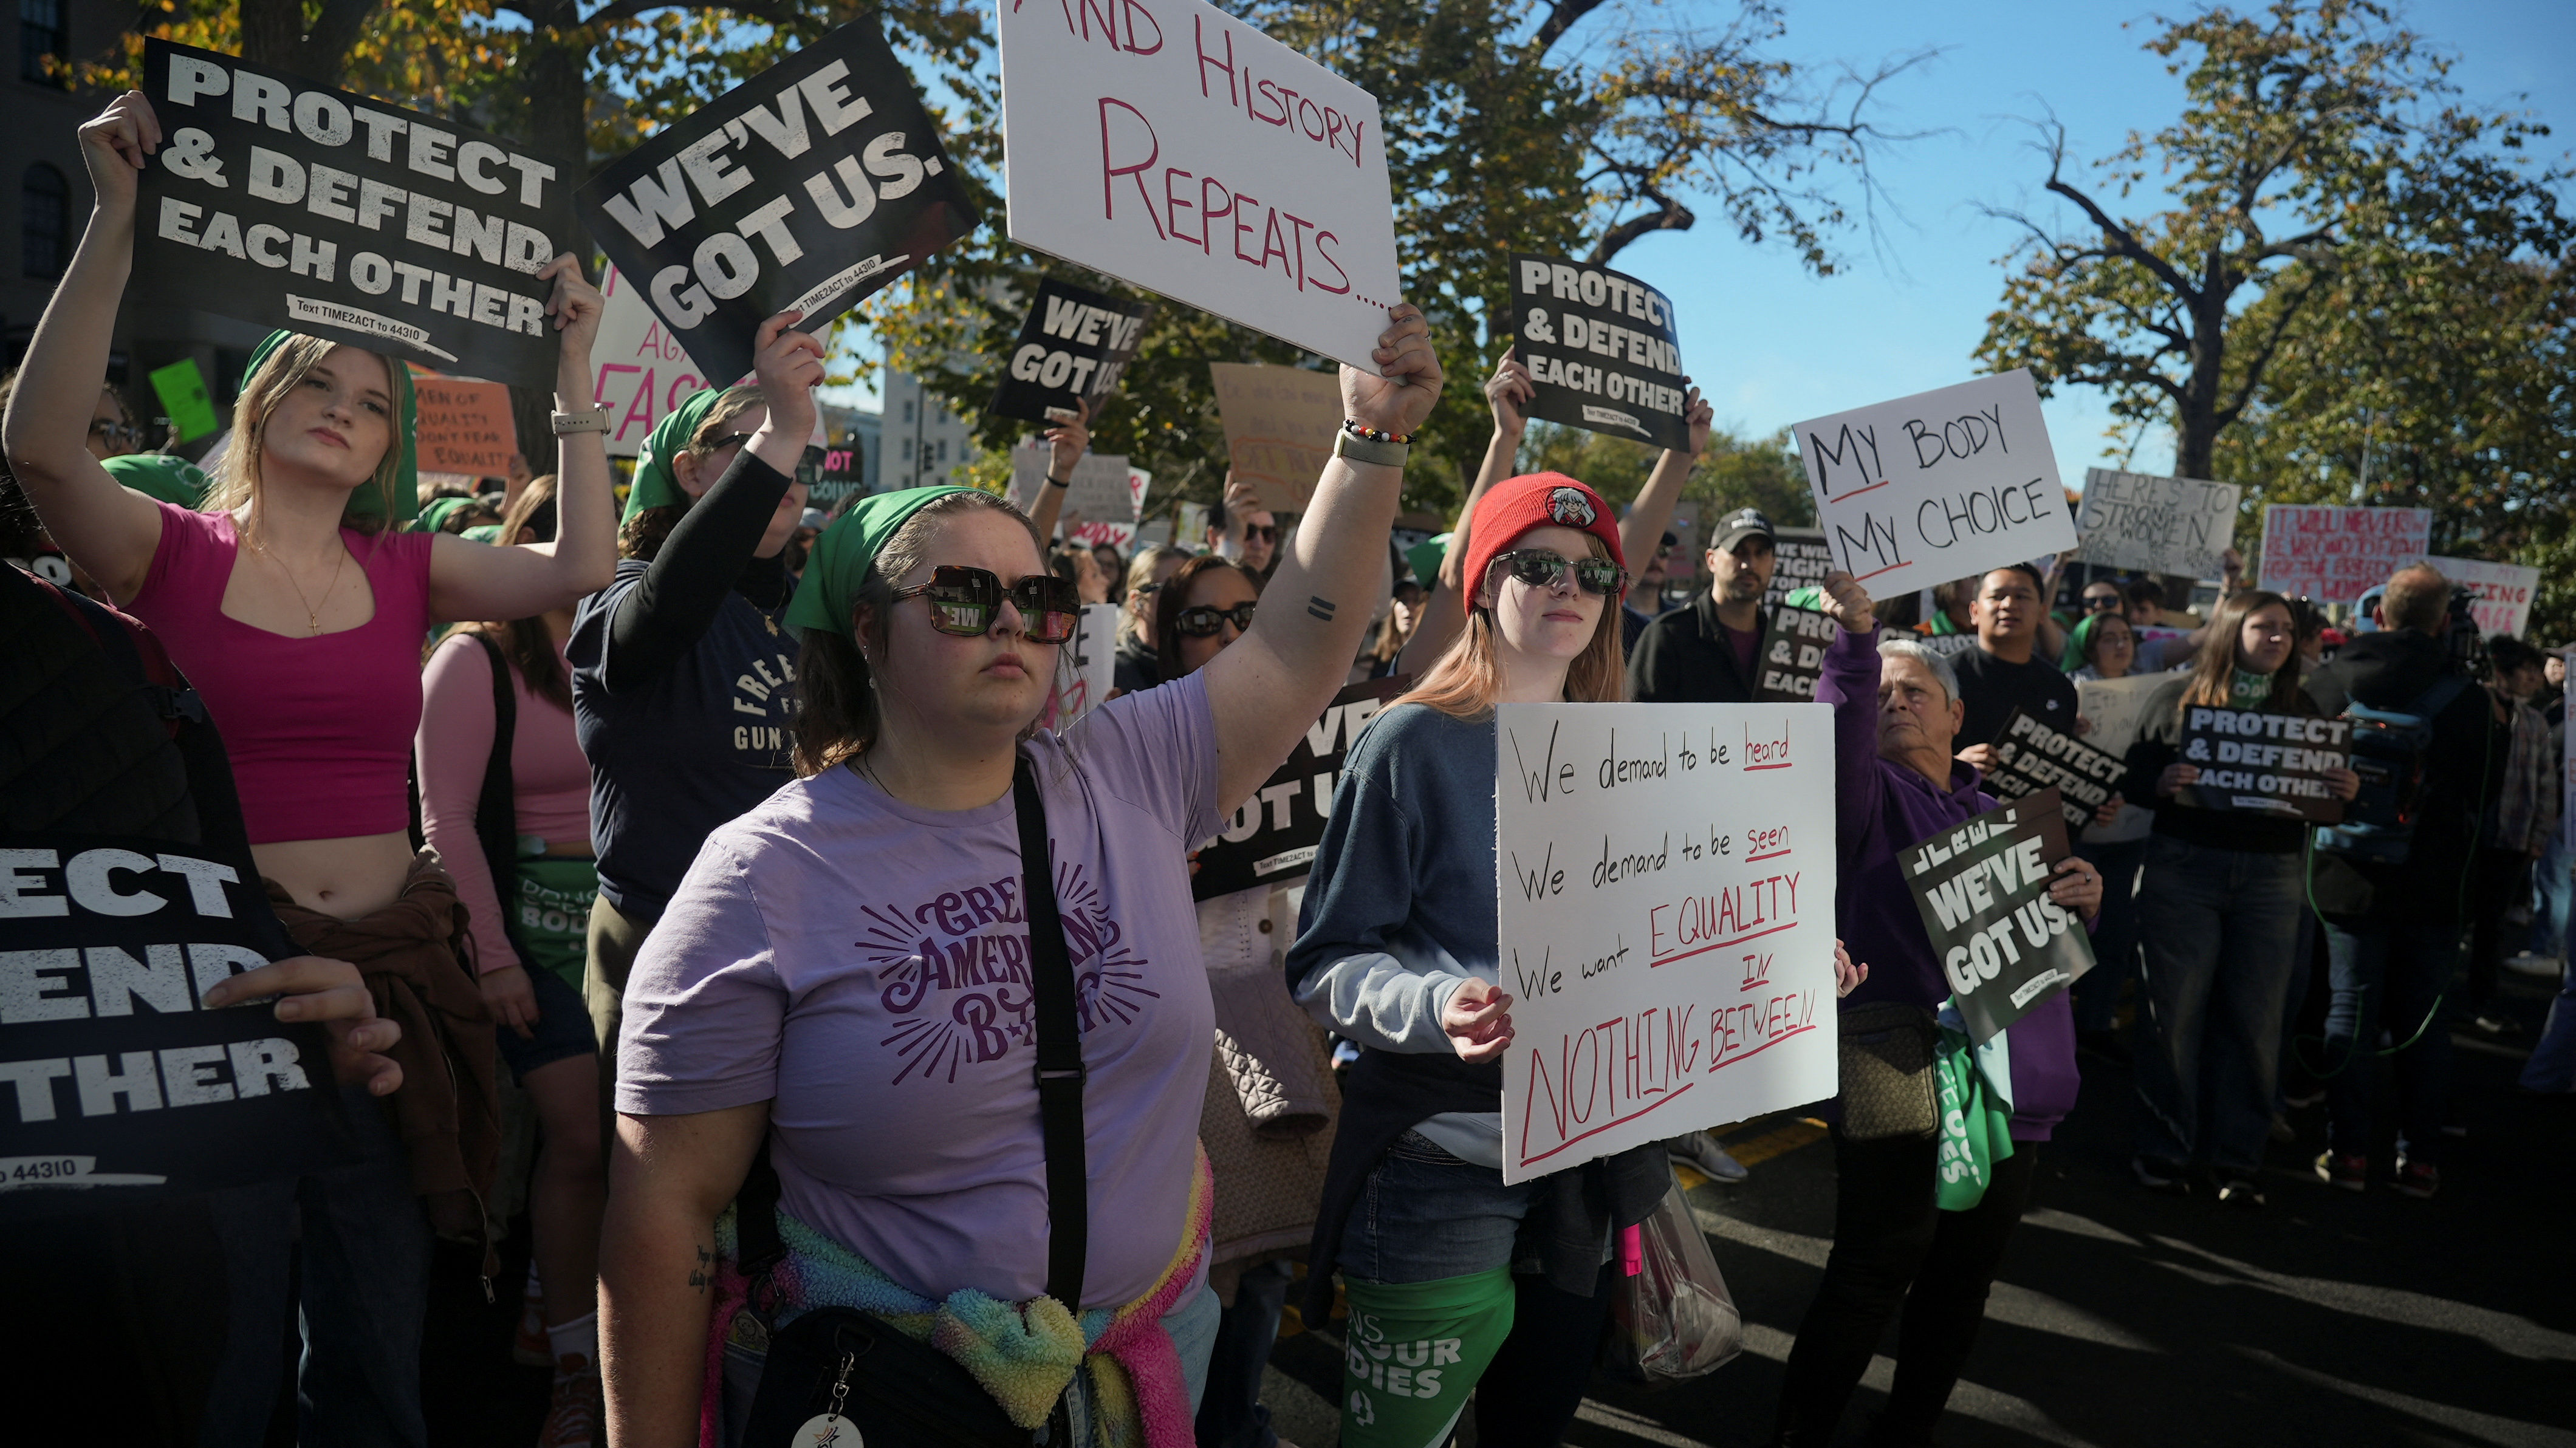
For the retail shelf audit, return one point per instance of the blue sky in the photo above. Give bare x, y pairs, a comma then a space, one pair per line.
1772, 345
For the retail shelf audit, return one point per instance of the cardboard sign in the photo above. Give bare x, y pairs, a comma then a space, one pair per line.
1104, 487
465, 427
1073, 348
2503, 592
1666, 906
1272, 838
1091, 663
2114, 708
2031, 757
185, 400
1982, 887
643, 370
2335, 555
2270, 764
1793, 656
812, 185
289, 205
114, 1080
1279, 427
1804, 560
1139, 137
1601, 350
1941, 485
2156, 525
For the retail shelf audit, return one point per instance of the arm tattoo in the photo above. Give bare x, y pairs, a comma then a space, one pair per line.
698, 1277
1321, 608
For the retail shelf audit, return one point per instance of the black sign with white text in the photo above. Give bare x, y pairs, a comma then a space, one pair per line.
2030, 757
1793, 656
290, 205
1601, 350
1982, 886
1072, 349
1803, 559
2270, 764
1271, 840
812, 185
114, 1081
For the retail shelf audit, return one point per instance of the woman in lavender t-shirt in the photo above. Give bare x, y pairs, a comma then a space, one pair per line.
845, 969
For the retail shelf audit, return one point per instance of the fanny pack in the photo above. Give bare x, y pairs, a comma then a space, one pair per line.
1887, 1071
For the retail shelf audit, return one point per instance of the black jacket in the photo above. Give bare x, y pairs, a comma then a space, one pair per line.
2463, 767
1683, 658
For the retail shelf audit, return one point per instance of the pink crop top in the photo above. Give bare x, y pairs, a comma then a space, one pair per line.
319, 729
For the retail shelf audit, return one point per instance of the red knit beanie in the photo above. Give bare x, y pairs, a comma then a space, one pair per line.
1514, 506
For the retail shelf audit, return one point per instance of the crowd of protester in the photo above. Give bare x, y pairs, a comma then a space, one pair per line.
687, 819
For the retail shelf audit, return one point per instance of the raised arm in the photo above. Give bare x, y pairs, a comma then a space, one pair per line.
475, 580
1641, 532
108, 530
1850, 684
668, 1178
1068, 440
1270, 685
1444, 613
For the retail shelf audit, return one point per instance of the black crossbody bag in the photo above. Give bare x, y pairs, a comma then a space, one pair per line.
838, 1361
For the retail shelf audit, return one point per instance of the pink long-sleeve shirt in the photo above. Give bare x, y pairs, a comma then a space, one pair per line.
549, 779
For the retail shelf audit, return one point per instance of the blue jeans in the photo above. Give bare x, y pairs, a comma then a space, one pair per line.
2551, 894
2220, 926
2552, 1066
2389, 977
2115, 944
365, 1257
1230, 1410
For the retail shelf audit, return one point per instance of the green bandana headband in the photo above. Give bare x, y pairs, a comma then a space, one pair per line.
435, 513
364, 501
1424, 558
655, 485
159, 475
845, 551
2077, 639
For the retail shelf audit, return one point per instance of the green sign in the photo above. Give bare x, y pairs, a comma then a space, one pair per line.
182, 389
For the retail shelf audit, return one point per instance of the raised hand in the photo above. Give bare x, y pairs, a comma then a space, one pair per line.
1070, 438
788, 365
1508, 392
576, 306
1699, 414
1398, 396
1846, 602
116, 144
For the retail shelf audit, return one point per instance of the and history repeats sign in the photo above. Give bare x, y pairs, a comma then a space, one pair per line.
1666, 907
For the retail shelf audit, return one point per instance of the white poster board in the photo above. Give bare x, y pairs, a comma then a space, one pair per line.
1183, 151
1279, 428
1105, 488
2335, 555
1090, 668
642, 371
1666, 902
1941, 485
2155, 524
2112, 710
2504, 592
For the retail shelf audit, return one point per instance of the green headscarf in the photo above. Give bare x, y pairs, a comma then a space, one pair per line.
1425, 559
171, 479
844, 552
365, 501
435, 513
656, 486
2077, 639
484, 533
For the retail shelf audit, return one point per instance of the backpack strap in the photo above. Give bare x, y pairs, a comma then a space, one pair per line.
1060, 1071
496, 808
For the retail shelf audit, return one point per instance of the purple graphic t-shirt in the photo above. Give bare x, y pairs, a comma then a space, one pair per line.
863, 966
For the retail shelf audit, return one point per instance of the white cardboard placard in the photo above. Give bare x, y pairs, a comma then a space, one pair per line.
2336, 554
2504, 592
1093, 656
641, 370
1105, 488
2156, 524
1940, 485
1179, 149
2113, 709
1666, 907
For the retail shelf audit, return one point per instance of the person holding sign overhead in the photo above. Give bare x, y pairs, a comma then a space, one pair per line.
299, 617
1896, 719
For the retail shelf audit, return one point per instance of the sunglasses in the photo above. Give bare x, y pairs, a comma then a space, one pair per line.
1541, 569
965, 602
2101, 604
117, 434
1203, 622
809, 463
1266, 532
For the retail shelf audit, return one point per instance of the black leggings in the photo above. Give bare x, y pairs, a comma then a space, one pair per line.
1894, 1249
1528, 1394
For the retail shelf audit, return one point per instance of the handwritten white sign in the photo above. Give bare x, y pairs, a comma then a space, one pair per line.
2335, 555
1104, 488
1170, 145
1941, 485
2154, 524
1666, 903
643, 372
2112, 710
2504, 592
1090, 667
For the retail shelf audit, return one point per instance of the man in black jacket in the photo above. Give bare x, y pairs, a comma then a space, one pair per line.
2393, 959
1707, 653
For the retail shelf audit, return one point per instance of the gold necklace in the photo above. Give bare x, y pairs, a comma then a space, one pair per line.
312, 616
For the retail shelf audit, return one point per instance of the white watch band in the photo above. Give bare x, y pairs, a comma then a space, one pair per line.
594, 420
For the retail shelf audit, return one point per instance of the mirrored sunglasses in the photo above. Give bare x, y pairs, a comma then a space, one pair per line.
966, 601
1541, 569
1203, 622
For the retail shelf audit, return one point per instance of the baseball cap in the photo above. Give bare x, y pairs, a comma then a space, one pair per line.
1739, 525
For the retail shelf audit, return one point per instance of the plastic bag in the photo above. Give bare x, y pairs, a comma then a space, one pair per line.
1673, 1320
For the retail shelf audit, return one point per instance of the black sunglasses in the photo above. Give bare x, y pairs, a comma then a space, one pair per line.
965, 602
117, 434
1266, 532
2097, 604
1203, 622
1541, 569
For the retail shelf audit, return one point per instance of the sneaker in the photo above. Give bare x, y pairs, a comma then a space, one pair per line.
2495, 1027
1700, 1150
2417, 1179
2348, 1170
2160, 1176
577, 1417
528, 1347
2526, 963
2240, 1193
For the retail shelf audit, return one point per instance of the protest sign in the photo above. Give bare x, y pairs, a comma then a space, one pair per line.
1272, 838
2271, 764
114, 1079
841, 475
1666, 903
465, 427
1601, 351
826, 160
643, 370
1941, 485
1982, 888
2031, 756
185, 400
2113, 709
2156, 525
2502, 592
1793, 656
1279, 427
2335, 555
1092, 654
1137, 137
1104, 487
291, 205
1072, 349
1803, 562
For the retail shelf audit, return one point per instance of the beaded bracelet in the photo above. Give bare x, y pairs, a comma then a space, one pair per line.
1365, 433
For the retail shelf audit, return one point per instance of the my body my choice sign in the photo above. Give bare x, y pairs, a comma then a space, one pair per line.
1666, 907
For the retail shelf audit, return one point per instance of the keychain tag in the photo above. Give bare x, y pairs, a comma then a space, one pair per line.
828, 1430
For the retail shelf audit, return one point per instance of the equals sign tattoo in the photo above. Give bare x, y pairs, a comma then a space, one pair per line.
1321, 608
